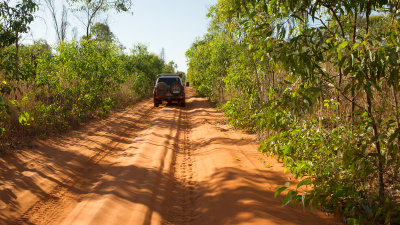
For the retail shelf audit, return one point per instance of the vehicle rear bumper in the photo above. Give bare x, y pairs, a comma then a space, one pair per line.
170, 98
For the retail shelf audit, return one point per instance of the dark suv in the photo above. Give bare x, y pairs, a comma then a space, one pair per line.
169, 87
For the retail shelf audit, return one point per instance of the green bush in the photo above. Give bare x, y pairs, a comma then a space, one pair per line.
324, 96
55, 89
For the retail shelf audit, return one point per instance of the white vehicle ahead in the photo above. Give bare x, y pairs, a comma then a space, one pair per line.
169, 87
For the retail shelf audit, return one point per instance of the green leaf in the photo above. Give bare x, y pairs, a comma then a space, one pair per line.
279, 191
392, 37
289, 197
343, 44
297, 199
262, 147
304, 182
339, 54
329, 40
22, 119
355, 46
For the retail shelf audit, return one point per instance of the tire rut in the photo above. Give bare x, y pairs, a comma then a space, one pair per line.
181, 201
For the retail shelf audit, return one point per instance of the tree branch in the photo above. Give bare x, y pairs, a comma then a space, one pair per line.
51, 7
336, 18
345, 96
330, 31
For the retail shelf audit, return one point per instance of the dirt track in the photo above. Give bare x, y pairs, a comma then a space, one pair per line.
166, 165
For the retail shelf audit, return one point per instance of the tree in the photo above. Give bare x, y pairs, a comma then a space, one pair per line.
170, 67
61, 30
93, 8
15, 20
102, 32
326, 75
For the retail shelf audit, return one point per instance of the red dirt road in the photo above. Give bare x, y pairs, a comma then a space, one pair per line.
145, 165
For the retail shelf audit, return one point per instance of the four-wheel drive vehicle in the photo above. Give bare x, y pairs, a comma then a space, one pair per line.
169, 87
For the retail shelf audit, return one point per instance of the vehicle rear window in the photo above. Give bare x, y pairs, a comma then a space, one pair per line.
169, 80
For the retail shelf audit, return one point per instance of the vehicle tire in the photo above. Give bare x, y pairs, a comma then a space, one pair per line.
183, 103
156, 103
176, 88
161, 89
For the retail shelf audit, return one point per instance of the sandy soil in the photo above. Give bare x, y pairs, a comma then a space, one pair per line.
145, 165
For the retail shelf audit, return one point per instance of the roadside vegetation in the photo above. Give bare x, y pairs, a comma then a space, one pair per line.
319, 81
46, 89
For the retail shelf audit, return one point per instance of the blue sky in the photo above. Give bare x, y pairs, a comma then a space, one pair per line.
169, 24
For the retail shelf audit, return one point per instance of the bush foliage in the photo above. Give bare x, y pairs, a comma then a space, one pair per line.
52, 89
319, 80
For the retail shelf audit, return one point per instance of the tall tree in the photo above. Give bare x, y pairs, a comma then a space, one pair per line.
60, 27
15, 21
91, 9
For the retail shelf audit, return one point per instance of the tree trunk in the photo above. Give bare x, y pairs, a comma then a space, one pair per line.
16, 57
338, 94
377, 147
396, 105
353, 95
353, 104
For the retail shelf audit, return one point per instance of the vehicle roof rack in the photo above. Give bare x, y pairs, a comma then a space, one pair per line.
169, 74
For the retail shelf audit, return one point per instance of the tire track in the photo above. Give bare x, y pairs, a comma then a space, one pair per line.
189, 184
181, 203
69, 191
166, 166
